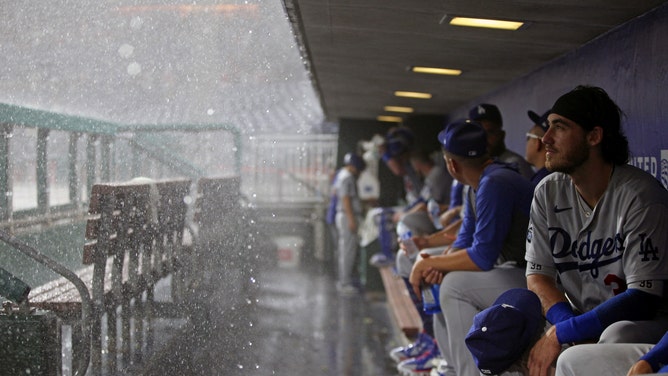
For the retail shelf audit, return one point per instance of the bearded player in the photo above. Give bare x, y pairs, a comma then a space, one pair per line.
596, 244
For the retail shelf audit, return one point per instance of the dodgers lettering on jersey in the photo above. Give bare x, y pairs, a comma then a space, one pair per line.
598, 252
590, 253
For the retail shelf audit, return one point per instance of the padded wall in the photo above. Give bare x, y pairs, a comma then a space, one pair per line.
630, 63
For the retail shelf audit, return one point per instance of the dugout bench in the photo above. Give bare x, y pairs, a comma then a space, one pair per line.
136, 235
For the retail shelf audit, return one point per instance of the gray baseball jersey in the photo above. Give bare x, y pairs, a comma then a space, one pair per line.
512, 158
598, 253
437, 185
345, 185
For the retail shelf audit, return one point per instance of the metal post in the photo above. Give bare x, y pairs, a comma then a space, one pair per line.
90, 163
42, 182
75, 197
5, 176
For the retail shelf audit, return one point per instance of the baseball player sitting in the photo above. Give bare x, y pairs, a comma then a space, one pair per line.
597, 236
487, 257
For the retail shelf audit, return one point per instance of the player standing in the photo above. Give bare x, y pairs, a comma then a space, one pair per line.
597, 234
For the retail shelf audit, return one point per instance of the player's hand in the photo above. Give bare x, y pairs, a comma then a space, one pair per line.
421, 241
641, 367
421, 272
417, 273
432, 276
544, 353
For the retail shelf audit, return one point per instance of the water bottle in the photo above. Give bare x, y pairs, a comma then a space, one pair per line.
435, 213
406, 237
430, 302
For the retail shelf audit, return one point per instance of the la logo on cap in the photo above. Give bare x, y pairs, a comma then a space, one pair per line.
481, 110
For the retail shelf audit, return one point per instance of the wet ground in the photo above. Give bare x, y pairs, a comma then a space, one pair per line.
293, 323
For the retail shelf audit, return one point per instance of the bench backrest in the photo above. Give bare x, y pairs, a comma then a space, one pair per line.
138, 225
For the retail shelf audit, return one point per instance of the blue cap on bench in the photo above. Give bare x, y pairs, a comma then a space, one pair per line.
501, 333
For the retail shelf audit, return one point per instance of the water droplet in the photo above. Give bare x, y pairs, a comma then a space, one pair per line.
126, 50
134, 69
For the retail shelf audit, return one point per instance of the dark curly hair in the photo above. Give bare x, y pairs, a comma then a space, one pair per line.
591, 106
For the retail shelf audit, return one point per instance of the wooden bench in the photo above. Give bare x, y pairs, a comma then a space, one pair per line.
135, 236
403, 310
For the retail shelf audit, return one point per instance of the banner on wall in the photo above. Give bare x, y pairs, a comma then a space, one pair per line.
649, 163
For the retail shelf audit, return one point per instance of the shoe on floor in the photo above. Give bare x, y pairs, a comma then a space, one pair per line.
380, 260
422, 365
440, 369
422, 344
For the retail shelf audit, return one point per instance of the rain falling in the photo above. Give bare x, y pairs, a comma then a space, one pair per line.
126, 103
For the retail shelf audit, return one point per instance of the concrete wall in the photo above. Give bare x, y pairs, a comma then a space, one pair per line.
630, 63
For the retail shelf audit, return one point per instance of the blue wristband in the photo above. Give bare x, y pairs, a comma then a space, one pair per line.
559, 312
579, 328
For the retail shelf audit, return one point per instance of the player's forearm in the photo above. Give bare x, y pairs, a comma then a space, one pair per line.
545, 287
420, 206
437, 239
453, 261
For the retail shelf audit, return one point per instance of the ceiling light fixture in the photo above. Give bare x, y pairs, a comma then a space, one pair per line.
412, 94
432, 70
390, 119
488, 23
406, 110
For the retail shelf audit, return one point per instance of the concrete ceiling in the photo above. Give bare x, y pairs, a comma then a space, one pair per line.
358, 51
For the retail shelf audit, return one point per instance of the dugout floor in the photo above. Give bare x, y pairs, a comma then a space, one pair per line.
297, 324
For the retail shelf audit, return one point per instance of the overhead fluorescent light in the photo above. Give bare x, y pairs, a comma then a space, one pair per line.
488, 23
432, 70
412, 94
390, 119
406, 110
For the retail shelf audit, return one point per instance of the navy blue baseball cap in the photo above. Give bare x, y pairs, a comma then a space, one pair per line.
464, 138
352, 159
486, 111
501, 333
397, 141
540, 120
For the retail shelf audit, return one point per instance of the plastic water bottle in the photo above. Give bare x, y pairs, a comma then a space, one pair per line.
406, 237
430, 301
435, 213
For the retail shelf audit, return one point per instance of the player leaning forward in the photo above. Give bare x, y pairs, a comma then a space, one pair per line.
598, 231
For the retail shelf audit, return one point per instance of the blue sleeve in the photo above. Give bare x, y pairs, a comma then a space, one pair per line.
466, 230
494, 209
658, 355
632, 304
